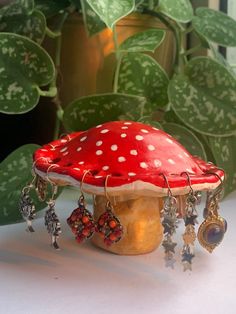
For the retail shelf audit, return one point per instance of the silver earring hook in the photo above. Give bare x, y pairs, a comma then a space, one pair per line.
189, 181
105, 189
82, 182
169, 194
35, 163
219, 189
54, 186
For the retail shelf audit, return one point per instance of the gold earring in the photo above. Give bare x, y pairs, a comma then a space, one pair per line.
211, 231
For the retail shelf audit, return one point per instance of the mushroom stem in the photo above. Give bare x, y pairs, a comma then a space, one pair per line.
141, 223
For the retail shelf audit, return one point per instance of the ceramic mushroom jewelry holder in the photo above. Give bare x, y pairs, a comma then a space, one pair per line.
137, 175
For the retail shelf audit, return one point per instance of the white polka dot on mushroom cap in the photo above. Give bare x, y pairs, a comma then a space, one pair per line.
124, 127
81, 162
99, 143
114, 147
99, 152
151, 147
128, 123
180, 156
157, 163
63, 140
131, 174
83, 138
171, 161
104, 131
144, 131
98, 126
77, 169
65, 153
79, 149
98, 177
105, 168
156, 129
169, 140
63, 149
143, 165
139, 137
186, 154
123, 135
121, 159
133, 152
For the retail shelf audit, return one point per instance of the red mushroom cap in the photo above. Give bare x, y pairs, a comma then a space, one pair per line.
134, 155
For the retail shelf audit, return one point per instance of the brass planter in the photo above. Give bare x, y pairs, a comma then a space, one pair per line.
88, 64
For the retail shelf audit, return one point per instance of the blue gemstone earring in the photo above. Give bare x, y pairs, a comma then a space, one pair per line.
211, 231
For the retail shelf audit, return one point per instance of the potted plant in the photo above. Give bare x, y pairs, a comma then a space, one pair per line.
195, 102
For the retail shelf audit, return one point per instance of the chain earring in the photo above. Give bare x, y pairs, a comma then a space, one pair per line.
190, 219
26, 205
211, 231
51, 219
169, 224
108, 225
81, 220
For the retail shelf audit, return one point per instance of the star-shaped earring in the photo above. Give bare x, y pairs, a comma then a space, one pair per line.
169, 246
190, 220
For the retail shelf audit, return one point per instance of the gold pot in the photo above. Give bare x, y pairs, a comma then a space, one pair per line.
88, 64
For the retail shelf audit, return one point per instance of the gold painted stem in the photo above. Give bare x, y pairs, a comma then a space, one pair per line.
140, 218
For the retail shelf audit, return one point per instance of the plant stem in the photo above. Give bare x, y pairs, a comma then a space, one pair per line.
115, 40
150, 4
52, 34
57, 60
52, 92
116, 77
192, 50
118, 59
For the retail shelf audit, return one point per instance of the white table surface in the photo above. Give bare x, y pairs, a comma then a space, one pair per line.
83, 279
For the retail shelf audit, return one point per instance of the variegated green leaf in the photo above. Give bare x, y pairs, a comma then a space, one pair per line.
148, 40
15, 173
111, 11
215, 26
93, 22
224, 151
180, 10
141, 75
87, 112
204, 97
32, 26
186, 138
148, 120
16, 18
24, 66
51, 7
221, 59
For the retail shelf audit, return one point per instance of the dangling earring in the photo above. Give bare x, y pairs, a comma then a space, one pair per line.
108, 225
169, 224
211, 231
190, 219
40, 183
81, 220
26, 205
51, 219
